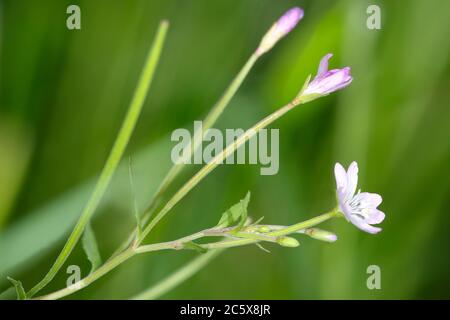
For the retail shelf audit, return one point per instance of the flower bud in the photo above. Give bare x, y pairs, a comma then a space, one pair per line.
288, 242
326, 81
320, 234
280, 28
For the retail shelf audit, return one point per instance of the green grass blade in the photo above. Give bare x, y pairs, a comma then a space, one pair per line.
179, 276
114, 157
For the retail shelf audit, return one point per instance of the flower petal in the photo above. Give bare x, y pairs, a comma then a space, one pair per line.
352, 180
368, 228
363, 225
323, 66
341, 178
375, 216
369, 200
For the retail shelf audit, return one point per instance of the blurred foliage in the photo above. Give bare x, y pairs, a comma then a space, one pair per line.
64, 93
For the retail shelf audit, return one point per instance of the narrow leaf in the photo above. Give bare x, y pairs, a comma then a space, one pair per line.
234, 214
91, 248
21, 295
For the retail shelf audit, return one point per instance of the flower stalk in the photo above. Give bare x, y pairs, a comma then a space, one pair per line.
280, 29
200, 175
243, 233
244, 239
244, 236
303, 97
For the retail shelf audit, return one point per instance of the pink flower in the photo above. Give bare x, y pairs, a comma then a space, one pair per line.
328, 81
360, 208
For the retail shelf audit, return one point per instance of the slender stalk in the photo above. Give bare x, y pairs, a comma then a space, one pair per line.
100, 272
243, 237
178, 276
129, 253
278, 233
205, 170
208, 122
255, 236
115, 155
248, 238
304, 225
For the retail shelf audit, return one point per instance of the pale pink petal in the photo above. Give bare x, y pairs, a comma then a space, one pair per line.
352, 179
363, 225
346, 210
375, 216
369, 200
323, 66
341, 178
368, 228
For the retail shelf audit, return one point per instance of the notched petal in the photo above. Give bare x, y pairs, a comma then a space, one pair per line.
375, 216
341, 177
352, 179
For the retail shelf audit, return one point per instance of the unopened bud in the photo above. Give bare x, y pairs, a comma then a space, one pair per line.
326, 81
288, 242
282, 27
320, 234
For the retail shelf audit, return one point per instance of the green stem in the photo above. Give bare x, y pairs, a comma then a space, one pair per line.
255, 236
100, 272
278, 233
115, 155
208, 122
249, 238
178, 277
303, 225
205, 170
127, 254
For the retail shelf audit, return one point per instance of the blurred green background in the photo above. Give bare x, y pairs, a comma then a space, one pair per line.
63, 95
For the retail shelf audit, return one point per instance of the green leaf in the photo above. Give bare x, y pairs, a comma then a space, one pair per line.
244, 204
237, 212
91, 248
21, 295
194, 246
